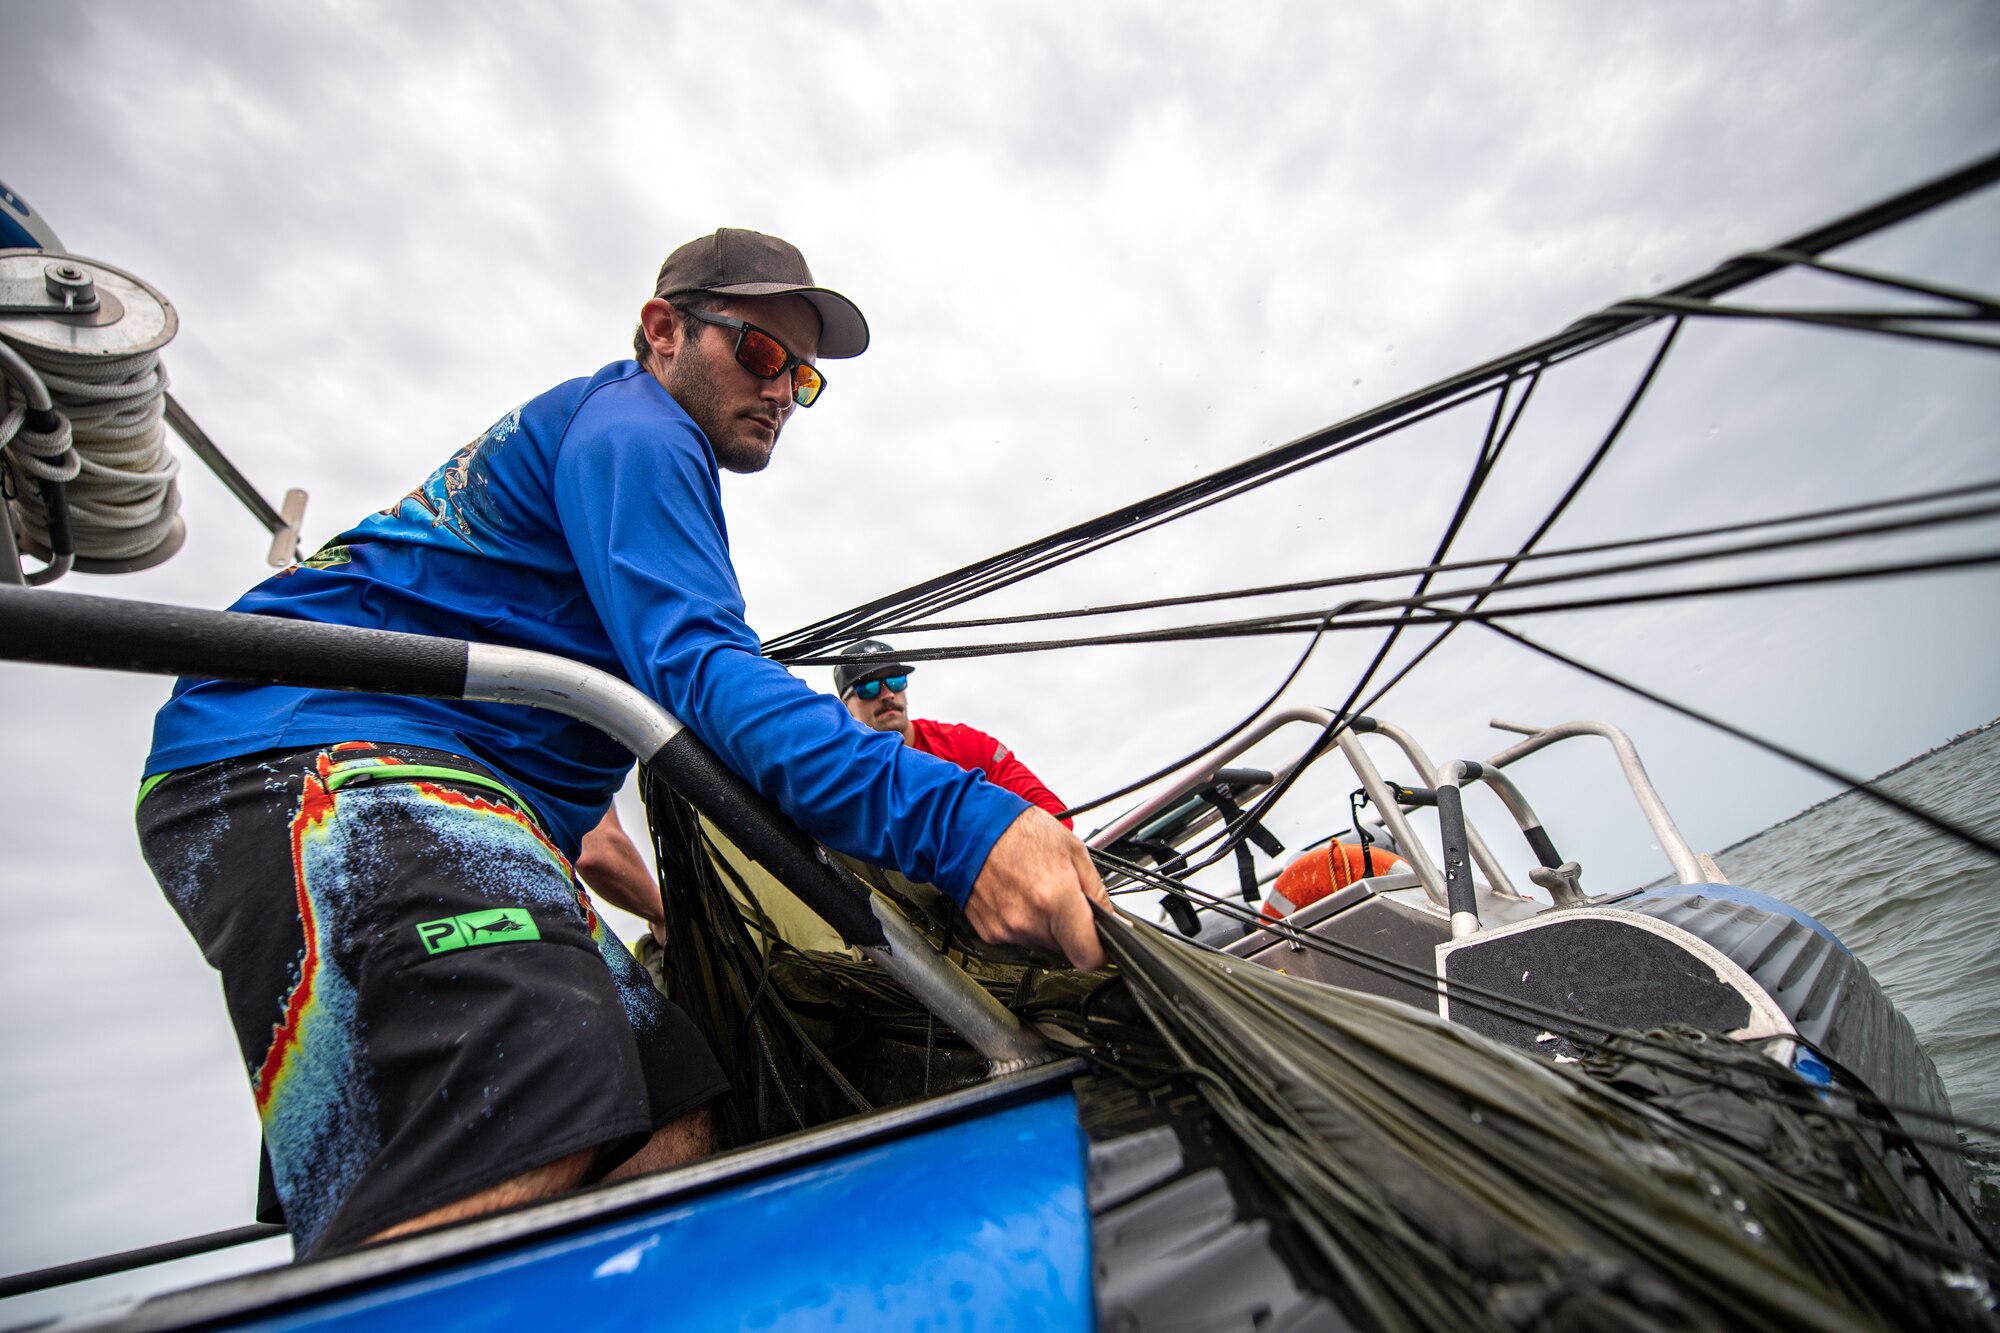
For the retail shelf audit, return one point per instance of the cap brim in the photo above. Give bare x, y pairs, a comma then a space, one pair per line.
843, 332
873, 673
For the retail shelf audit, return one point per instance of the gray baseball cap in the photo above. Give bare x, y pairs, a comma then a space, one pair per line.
735, 262
874, 660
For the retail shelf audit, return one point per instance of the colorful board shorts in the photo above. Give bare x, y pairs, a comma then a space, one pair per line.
426, 1001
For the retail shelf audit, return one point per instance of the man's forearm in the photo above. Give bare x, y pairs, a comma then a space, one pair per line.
612, 868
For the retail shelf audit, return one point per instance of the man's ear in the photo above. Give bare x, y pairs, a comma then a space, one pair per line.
662, 325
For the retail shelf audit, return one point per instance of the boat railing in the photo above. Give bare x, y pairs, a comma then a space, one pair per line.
67, 629
1482, 855
1381, 793
1559, 877
1392, 801
1690, 867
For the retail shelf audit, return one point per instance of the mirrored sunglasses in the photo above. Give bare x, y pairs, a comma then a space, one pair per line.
872, 689
765, 357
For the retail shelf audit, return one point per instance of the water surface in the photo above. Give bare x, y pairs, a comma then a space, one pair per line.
1922, 910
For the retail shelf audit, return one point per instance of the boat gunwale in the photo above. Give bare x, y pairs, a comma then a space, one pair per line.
273, 1291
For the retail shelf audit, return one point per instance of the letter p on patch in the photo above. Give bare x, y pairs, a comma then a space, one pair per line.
441, 936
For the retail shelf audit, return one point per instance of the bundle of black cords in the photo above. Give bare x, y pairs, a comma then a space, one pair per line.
1446, 1180
1672, 1180
1507, 384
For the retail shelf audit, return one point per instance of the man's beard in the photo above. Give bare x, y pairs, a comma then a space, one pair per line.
694, 388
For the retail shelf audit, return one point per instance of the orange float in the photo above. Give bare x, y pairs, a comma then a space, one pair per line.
1325, 870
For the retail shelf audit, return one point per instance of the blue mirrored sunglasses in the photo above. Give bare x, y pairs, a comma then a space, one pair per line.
872, 689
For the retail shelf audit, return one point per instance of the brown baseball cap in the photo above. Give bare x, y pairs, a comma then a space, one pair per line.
735, 262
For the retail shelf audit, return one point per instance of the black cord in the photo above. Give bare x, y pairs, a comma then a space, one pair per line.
1913, 523
1895, 324
1697, 296
1221, 740
1866, 788
1786, 1086
1352, 616
1489, 451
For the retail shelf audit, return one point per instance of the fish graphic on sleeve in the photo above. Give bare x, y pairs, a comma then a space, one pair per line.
455, 497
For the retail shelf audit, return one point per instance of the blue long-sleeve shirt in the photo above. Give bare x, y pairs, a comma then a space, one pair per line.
588, 523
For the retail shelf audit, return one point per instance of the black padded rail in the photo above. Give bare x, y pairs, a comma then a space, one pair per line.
109, 633
767, 836
67, 629
1458, 891
1543, 847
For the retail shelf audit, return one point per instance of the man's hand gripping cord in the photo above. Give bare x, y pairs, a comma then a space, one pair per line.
1036, 888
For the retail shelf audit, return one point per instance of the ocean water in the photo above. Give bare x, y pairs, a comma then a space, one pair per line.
1921, 910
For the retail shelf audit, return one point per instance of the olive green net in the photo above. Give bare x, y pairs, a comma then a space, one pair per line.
1674, 1180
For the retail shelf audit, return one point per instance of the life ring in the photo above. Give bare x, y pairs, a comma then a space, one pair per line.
1325, 870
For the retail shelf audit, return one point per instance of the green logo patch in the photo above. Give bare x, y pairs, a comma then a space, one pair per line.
500, 925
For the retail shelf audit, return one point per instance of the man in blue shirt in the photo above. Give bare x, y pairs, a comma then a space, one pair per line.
386, 884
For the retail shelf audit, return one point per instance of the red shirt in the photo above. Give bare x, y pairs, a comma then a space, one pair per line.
974, 750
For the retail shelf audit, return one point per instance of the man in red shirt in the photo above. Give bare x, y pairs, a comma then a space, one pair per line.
874, 689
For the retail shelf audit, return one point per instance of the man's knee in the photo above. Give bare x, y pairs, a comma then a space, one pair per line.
544, 1182
687, 1139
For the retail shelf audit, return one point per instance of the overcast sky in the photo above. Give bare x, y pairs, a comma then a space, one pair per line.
1102, 249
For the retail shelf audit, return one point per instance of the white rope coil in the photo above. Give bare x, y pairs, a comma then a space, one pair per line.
109, 447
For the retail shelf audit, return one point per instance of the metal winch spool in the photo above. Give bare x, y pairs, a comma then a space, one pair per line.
83, 307
82, 433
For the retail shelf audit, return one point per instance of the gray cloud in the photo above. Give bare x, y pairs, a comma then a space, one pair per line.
1102, 251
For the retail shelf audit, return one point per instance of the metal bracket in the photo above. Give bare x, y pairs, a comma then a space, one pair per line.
64, 288
285, 541
283, 527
